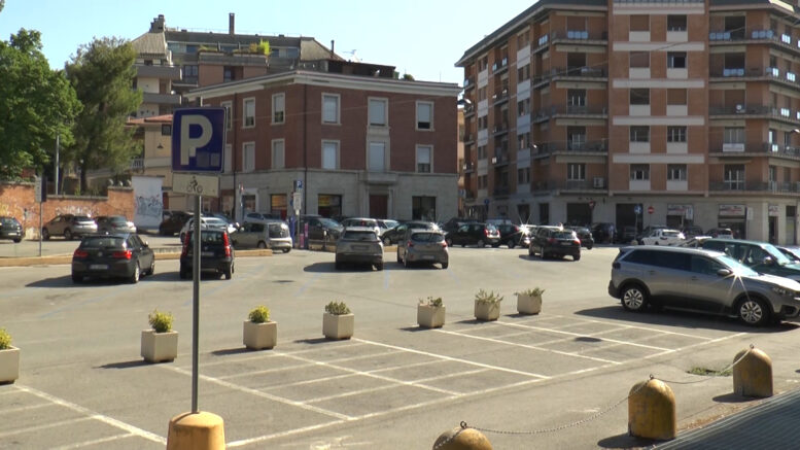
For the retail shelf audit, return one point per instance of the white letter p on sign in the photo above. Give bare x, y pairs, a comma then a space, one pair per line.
190, 145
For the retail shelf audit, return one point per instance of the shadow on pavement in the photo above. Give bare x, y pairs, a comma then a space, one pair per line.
733, 397
414, 329
625, 441
314, 341
232, 351
330, 267
525, 257
125, 364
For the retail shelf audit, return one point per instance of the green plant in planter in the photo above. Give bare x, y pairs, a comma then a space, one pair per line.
5, 339
432, 302
160, 321
535, 292
337, 308
489, 298
259, 314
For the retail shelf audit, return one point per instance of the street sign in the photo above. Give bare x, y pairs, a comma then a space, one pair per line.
187, 183
650, 210
637, 209
298, 184
198, 139
486, 201
40, 189
297, 201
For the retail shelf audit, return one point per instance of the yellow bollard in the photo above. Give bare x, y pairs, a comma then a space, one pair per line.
651, 411
462, 438
752, 374
200, 431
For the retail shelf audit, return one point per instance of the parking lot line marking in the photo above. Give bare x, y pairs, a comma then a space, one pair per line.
263, 372
602, 322
349, 375
93, 442
44, 426
266, 437
531, 347
699, 344
450, 358
23, 408
94, 415
262, 394
568, 333
307, 284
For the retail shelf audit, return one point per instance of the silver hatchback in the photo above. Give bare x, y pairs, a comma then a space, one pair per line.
423, 246
700, 280
359, 245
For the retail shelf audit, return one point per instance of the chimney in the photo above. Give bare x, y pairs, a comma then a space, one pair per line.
157, 25
333, 43
231, 24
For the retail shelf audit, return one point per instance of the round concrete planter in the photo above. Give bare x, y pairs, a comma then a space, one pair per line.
529, 304
9, 365
159, 347
487, 311
338, 326
260, 336
430, 316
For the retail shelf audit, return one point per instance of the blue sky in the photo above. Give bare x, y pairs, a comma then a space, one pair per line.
423, 38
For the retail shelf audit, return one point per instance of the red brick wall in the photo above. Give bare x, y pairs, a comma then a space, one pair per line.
17, 198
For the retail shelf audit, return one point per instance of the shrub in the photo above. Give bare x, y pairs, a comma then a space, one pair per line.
432, 302
488, 297
160, 321
259, 314
5, 339
337, 308
535, 292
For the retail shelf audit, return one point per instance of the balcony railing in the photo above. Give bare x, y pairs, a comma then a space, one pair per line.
137, 163
468, 167
469, 83
755, 110
597, 183
161, 99
570, 146
500, 128
569, 110
501, 157
755, 34
578, 72
579, 35
162, 72
764, 148
500, 66
753, 186
469, 110
500, 97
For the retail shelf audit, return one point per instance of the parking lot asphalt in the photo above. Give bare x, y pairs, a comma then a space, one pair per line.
555, 380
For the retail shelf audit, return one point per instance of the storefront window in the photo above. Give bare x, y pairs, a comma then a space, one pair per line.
423, 208
278, 204
329, 205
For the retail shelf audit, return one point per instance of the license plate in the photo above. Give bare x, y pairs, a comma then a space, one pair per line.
207, 254
361, 248
427, 257
566, 243
98, 267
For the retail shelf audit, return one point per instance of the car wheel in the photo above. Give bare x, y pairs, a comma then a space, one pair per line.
445, 265
287, 250
634, 298
511, 244
262, 244
449, 242
405, 261
753, 311
576, 258
184, 274
68, 234
77, 278
480, 243
387, 241
379, 266
656, 243
152, 270
136, 274
228, 273
17, 241
45, 234
589, 247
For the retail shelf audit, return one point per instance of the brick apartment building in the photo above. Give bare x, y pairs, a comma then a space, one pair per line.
359, 145
677, 113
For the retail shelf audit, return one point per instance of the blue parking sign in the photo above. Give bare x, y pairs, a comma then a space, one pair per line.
198, 139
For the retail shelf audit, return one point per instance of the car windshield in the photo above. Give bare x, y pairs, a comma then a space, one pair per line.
777, 255
427, 237
360, 236
329, 223
9, 221
102, 242
737, 267
83, 219
209, 237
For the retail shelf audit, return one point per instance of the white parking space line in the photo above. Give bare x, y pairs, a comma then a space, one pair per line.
94, 415
262, 372
633, 327
93, 442
699, 344
45, 426
266, 437
350, 375
23, 408
227, 360
568, 333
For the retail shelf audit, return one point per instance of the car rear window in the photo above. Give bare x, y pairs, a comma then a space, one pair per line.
564, 235
83, 219
102, 242
209, 237
9, 221
360, 236
427, 237
278, 230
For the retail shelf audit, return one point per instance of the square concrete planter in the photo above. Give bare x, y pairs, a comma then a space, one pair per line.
430, 316
338, 326
159, 347
259, 336
487, 311
9, 365
529, 304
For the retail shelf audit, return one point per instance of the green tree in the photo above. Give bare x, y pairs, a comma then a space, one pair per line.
102, 75
36, 104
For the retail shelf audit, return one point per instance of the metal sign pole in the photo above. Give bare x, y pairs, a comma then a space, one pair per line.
195, 301
40, 229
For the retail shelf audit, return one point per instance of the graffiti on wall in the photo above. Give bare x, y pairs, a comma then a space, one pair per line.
149, 206
78, 210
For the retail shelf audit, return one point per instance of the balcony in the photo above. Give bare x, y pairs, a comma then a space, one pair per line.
594, 147
469, 83
573, 111
161, 99
739, 186
501, 191
468, 167
137, 164
754, 36
594, 184
572, 73
469, 111
580, 37
469, 138
772, 74
160, 72
500, 66
232, 59
500, 129
500, 158
765, 149
755, 111
500, 98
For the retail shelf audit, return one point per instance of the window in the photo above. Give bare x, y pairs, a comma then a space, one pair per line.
576, 138
423, 208
640, 172
676, 96
576, 97
523, 141
771, 136
228, 114
640, 134
330, 108
523, 73
248, 157
640, 97
676, 172
523, 40
676, 23
676, 134
482, 154
640, 23
484, 63
424, 158
773, 174
524, 107
733, 176
483, 181
576, 172
377, 112
189, 72
734, 135
524, 175
483, 122
424, 115
330, 155
228, 159
278, 154
227, 74
278, 108
639, 60
676, 60
166, 130
377, 156
705, 266
482, 92
249, 113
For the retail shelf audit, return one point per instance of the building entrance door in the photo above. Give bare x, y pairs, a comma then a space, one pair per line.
378, 206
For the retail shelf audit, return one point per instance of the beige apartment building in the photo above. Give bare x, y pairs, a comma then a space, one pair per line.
679, 113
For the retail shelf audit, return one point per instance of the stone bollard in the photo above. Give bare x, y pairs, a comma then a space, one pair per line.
752, 374
199, 431
462, 438
651, 411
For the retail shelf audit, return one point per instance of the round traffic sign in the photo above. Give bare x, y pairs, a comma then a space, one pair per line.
637, 209
650, 210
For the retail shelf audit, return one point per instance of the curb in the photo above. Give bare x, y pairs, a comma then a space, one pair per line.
67, 259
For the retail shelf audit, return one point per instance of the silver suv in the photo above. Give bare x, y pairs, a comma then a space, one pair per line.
700, 280
359, 245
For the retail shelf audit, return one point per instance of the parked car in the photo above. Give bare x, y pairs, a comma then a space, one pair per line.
114, 224
721, 233
207, 223
478, 234
695, 242
118, 255
585, 236
271, 234
173, 223
760, 256
423, 246
359, 245
387, 224
69, 226
626, 235
700, 280
553, 241
362, 222
792, 252
397, 233
604, 233
647, 231
455, 223
692, 231
10, 228
216, 254
511, 235
321, 230
252, 216
663, 236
